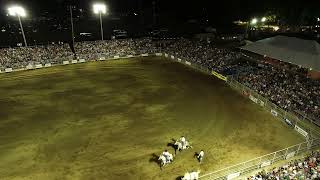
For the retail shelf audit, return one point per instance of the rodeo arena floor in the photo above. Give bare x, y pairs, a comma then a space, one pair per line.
112, 119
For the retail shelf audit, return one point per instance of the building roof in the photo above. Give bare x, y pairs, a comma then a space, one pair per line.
305, 53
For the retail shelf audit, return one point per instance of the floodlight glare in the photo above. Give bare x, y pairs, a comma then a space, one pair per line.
17, 11
254, 21
263, 19
99, 9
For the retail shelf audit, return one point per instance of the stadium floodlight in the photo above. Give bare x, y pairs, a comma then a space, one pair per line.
100, 9
19, 12
263, 19
254, 21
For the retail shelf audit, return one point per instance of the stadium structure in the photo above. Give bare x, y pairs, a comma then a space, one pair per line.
304, 53
109, 117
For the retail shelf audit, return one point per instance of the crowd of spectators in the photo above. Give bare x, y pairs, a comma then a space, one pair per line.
284, 85
306, 168
96, 49
288, 89
202, 53
21, 57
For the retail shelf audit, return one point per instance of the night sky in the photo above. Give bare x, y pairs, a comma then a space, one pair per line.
215, 10
174, 15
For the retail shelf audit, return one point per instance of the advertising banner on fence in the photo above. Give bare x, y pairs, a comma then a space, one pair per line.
74, 61
265, 163
166, 55
30, 66
290, 155
261, 103
233, 175
219, 75
172, 57
301, 131
7, 70
252, 98
47, 65
144, 55
158, 54
65, 62
288, 122
274, 113
188, 63
38, 66
179, 59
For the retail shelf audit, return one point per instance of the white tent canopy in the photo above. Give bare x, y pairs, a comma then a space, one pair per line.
305, 53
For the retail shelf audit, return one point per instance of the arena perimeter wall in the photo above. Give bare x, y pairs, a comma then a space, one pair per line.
308, 129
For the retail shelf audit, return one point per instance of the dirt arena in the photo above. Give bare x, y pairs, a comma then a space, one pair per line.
109, 120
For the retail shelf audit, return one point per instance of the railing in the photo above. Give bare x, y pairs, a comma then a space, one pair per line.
58, 62
307, 125
306, 128
262, 161
266, 160
292, 120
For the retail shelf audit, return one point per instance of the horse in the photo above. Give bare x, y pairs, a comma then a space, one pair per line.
191, 176
164, 161
179, 147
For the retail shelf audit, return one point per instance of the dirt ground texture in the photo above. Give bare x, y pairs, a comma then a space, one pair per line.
110, 119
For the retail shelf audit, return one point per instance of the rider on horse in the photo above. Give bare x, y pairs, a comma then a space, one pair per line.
183, 142
167, 155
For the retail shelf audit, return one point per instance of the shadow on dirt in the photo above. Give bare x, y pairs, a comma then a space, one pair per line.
171, 144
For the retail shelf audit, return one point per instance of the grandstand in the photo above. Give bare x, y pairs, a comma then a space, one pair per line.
300, 52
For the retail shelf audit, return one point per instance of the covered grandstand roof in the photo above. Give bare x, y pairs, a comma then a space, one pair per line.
289, 49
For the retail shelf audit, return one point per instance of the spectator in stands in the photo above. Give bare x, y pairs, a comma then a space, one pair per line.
306, 168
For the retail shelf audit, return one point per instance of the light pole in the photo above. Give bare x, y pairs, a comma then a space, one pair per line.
72, 29
252, 22
100, 9
19, 12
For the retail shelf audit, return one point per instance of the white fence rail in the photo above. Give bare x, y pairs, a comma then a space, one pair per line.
100, 57
307, 129
263, 161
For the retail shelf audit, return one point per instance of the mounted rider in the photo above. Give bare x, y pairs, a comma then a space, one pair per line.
183, 142
167, 155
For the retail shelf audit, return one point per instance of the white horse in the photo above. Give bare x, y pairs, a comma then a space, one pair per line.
180, 147
191, 176
164, 161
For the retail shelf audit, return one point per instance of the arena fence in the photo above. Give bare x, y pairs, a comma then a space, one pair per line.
246, 167
301, 115
94, 57
307, 128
